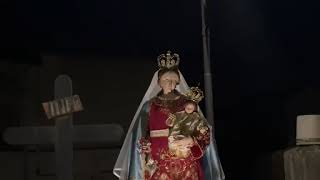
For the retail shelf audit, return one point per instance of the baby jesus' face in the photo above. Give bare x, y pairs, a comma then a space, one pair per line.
189, 108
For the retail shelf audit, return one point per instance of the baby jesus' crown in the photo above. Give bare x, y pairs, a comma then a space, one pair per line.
168, 60
195, 94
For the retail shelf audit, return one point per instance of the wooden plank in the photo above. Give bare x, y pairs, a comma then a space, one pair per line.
62, 107
109, 134
63, 141
104, 133
30, 135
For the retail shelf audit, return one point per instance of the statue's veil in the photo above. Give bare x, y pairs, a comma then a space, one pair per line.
121, 168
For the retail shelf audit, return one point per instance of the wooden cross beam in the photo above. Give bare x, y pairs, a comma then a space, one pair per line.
109, 134
64, 134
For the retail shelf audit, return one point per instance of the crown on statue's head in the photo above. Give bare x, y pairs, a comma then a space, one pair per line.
195, 94
168, 60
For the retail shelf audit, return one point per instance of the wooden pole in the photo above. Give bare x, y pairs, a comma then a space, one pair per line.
64, 128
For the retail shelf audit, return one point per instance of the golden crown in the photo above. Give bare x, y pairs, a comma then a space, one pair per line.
195, 94
168, 60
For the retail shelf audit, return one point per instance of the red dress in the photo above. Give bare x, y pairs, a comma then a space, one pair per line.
170, 167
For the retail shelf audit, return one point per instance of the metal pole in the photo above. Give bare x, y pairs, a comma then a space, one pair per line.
207, 66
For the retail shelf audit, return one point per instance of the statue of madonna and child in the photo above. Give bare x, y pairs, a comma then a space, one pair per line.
169, 138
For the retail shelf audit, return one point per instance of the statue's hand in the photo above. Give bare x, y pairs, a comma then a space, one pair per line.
144, 146
171, 119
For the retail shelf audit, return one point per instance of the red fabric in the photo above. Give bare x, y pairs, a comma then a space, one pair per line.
196, 151
157, 117
169, 167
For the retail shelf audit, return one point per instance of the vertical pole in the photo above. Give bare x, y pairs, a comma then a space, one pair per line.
207, 66
64, 127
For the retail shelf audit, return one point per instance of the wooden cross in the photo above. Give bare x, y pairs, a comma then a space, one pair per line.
64, 134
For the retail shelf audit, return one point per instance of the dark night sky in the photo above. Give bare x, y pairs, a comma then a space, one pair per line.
264, 53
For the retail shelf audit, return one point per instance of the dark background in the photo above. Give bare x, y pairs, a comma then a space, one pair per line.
264, 56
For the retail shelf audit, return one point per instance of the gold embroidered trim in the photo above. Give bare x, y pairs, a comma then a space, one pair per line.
159, 133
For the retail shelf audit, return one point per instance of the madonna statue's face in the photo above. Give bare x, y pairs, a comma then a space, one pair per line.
168, 81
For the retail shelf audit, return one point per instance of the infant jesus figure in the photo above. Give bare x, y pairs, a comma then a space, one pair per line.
188, 128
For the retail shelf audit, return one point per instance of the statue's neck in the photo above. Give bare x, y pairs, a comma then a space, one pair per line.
173, 95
